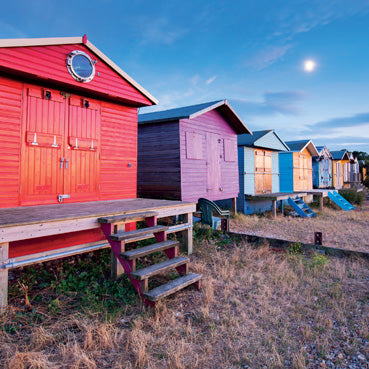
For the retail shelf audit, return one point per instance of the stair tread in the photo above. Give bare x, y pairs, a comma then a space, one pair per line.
160, 267
138, 234
127, 217
147, 250
171, 287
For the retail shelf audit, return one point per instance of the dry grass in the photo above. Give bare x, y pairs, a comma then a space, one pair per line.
340, 228
257, 309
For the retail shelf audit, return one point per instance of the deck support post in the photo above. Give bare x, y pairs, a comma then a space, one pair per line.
188, 233
274, 209
321, 202
116, 268
234, 205
4, 255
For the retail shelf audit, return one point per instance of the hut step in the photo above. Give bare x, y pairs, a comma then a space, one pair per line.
300, 207
147, 250
124, 218
158, 268
171, 287
340, 201
138, 234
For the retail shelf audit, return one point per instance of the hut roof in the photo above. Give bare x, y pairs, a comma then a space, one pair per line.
323, 151
339, 155
24, 42
192, 111
298, 146
267, 139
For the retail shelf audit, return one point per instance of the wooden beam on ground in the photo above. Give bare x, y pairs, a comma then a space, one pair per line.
4, 253
187, 234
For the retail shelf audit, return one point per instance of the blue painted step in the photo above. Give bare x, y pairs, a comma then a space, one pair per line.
340, 201
300, 207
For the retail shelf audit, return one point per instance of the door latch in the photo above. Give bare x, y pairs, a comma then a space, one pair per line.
61, 163
62, 197
66, 163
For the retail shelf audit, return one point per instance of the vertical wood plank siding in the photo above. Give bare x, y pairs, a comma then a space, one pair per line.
286, 171
49, 63
194, 172
159, 173
10, 142
275, 172
118, 160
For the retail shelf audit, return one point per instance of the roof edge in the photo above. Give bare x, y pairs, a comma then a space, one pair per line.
23, 42
20, 42
269, 131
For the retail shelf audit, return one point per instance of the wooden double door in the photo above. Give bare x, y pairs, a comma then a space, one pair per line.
60, 148
263, 171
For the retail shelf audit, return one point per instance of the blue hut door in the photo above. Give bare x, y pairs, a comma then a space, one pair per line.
213, 153
325, 174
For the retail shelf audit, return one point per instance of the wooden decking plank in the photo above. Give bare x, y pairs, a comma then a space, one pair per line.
151, 270
147, 250
49, 213
134, 217
171, 287
138, 234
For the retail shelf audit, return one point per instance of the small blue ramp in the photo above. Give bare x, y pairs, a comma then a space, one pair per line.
340, 201
300, 207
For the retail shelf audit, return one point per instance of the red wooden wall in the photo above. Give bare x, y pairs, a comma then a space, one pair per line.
107, 172
48, 63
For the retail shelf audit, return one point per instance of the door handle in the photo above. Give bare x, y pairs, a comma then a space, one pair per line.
61, 163
66, 163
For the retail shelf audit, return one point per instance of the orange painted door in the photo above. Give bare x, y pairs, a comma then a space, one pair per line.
82, 169
60, 149
44, 114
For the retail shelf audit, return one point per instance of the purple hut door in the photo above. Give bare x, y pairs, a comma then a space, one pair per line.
213, 144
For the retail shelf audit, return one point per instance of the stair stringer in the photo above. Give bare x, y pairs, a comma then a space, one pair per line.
340, 201
299, 211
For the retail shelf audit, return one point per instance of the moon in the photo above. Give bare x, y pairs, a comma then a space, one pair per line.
309, 66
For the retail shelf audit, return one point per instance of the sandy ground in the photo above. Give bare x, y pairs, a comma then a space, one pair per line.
340, 228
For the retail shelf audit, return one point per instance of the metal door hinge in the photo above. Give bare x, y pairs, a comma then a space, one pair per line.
62, 197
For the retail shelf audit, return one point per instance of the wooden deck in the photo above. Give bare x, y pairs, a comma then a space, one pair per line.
23, 223
274, 197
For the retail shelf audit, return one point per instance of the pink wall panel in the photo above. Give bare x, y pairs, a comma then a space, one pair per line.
194, 172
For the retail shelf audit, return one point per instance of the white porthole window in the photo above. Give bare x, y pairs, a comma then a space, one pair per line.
81, 66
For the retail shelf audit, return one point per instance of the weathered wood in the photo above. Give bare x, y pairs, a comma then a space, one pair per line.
187, 235
116, 268
138, 234
158, 268
321, 202
234, 204
147, 250
171, 287
4, 252
274, 209
275, 196
39, 221
125, 218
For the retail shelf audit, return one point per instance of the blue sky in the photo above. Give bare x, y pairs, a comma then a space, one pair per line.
250, 52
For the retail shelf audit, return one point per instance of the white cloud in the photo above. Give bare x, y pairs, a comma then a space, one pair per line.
210, 80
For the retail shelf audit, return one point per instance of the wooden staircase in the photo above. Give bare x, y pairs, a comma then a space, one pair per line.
300, 207
113, 228
340, 201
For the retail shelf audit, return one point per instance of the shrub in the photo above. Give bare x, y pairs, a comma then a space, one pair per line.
353, 196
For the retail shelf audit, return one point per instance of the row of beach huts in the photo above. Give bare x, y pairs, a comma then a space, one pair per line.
79, 167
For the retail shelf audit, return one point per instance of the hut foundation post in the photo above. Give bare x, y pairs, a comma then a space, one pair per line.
116, 268
234, 205
4, 254
188, 233
274, 209
321, 202
282, 207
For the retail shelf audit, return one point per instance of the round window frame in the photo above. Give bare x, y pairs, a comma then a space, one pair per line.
72, 71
